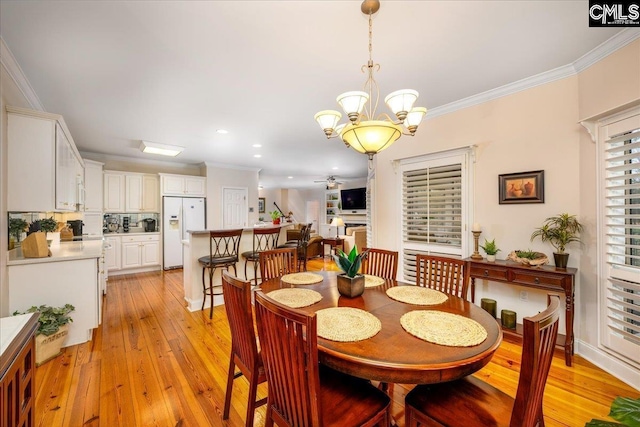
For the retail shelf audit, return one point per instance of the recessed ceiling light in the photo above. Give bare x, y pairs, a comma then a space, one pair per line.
257, 145
222, 131
335, 168
260, 187
257, 155
290, 177
162, 149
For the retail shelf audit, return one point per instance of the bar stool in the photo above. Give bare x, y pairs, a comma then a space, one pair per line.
264, 239
224, 246
301, 245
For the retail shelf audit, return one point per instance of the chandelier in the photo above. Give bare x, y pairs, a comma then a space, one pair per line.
365, 132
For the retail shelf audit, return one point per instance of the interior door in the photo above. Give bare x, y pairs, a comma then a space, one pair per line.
234, 207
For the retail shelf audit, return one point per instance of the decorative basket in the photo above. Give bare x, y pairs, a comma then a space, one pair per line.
49, 347
540, 259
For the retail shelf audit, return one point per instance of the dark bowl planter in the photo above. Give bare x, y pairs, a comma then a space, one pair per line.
351, 287
561, 260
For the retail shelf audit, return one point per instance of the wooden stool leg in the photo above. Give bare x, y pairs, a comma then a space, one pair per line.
204, 289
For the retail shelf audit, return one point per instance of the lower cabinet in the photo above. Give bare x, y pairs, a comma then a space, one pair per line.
112, 253
140, 251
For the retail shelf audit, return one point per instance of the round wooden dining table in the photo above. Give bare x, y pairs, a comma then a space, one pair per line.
393, 355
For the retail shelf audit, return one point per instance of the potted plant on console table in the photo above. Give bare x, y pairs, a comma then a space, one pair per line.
52, 330
559, 230
350, 284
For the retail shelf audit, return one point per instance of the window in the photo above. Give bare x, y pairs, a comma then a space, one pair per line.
619, 155
434, 207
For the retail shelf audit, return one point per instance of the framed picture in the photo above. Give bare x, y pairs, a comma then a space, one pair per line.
260, 204
523, 187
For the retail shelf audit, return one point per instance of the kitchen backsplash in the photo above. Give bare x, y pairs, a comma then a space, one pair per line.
136, 222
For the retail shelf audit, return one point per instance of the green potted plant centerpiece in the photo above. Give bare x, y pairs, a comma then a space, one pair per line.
559, 230
52, 330
490, 249
350, 283
16, 227
275, 217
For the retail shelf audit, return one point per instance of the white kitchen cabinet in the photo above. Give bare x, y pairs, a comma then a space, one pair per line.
43, 163
150, 193
140, 251
93, 186
112, 253
114, 192
133, 193
183, 185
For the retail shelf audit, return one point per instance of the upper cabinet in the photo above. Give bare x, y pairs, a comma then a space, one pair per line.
131, 192
93, 194
45, 170
183, 185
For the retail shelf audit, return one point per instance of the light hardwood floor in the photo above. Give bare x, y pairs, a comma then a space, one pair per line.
153, 363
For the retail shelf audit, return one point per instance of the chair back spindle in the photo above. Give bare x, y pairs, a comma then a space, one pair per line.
278, 262
381, 263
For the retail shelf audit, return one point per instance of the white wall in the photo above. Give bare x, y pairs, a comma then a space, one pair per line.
220, 176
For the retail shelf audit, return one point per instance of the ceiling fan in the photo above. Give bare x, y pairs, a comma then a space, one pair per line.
330, 182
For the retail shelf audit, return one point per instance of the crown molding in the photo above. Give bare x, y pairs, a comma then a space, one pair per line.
605, 49
10, 64
235, 167
616, 42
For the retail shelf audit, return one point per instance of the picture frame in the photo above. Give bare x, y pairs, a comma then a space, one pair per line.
261, 205
521, 187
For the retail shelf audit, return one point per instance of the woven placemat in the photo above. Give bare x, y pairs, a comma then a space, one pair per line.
302, 278
347, 324
372, 281
443, 328
295, 297
417, 295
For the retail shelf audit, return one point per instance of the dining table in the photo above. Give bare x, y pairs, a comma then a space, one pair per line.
393, 355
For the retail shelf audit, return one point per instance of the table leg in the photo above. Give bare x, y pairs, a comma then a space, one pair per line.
473, 289
568, 345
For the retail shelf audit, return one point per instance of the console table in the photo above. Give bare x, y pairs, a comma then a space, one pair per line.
333, 242
545, 277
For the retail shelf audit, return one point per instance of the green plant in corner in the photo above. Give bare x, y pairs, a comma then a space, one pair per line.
559, 230
350, 264
490, 247
51, 318
16, 227
623, 409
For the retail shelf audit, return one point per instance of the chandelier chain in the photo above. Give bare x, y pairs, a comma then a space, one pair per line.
370, 85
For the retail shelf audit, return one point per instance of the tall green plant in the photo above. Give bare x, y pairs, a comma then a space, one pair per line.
559, 230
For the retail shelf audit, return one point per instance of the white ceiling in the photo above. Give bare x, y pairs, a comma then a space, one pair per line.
174, 72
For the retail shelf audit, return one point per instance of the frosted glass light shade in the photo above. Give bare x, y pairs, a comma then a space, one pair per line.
371, 136
401, 101
162, 149
352, 102
328, 119
415, 116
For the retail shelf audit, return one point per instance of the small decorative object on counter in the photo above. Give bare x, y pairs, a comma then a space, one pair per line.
275, 217
508, 318
35, 246
489, 305
491, 249
476, 231
52, 330
528, 257
351, 283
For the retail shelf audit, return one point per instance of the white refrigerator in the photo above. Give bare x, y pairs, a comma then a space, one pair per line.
179, 215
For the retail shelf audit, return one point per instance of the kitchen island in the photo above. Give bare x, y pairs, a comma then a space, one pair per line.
197, 245
72, 275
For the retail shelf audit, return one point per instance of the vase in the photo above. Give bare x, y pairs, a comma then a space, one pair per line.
276, 221
350, 287
561, 260
491, 258
49, 347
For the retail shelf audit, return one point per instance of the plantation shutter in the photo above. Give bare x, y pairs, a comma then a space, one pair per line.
433, 209
621, 201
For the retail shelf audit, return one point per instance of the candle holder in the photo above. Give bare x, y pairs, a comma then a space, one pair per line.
476, 236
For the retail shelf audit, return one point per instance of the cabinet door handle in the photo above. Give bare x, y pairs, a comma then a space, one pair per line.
486, 272
536, 281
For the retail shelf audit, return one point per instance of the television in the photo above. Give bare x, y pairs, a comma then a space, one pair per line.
353, 199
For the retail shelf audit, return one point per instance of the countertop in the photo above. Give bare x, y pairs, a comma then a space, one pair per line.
134, 233
265, 225
66, 251
10, 327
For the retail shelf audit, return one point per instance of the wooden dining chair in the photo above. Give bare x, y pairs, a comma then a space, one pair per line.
381, 263
301, 392
278, 262
301, 244
471, 402
244, 350
264, 239
448, 275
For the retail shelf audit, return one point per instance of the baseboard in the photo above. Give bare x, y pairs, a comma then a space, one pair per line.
134, 270
609, 363
196, 304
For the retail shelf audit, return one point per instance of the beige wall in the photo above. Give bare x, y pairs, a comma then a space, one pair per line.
530, 130
219, 177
